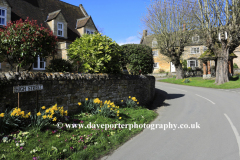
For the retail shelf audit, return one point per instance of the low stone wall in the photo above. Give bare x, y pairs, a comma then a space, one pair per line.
67, 89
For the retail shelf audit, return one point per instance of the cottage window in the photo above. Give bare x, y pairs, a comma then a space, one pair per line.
3, 16
39, 64
155, 65
60, 29
155, 53
89, 31
154, 44
192, 63
195, 50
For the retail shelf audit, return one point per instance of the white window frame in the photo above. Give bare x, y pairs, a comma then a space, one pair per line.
155, 53
189, 61
154, 44
60, 29
195, 50
5, 17
38, 68
156, 66
194, 40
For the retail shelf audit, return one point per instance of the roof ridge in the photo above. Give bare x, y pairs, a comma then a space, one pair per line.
83, 18
68, 3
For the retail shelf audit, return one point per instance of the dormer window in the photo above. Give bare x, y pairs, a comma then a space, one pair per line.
3, 16
60, 29
154, 44
89, 31
195, 39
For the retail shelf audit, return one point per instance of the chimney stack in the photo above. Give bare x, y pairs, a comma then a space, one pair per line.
184, 27
144, 33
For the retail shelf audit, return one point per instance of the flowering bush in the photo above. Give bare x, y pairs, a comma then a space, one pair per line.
131, 102
25, 41
109, 109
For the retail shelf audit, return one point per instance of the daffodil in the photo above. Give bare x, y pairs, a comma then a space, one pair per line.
79, 103
54, 119
43, 107
121, 100
2, 115
120, 117
39, 114
129, 96
44, 117
86, 99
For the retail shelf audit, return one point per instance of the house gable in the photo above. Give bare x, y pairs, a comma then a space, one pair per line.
55, 18
85, 25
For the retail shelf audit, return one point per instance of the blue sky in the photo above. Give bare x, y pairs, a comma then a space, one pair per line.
119, 19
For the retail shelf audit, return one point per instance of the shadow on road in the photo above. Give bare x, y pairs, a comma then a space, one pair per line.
161, 96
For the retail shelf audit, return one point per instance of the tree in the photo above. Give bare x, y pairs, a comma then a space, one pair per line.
138, 57
96, 53
22, 42
171, 24
218, 21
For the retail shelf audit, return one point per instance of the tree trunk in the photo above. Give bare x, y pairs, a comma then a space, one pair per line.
30, 67
179, 71
222, 68
17, 68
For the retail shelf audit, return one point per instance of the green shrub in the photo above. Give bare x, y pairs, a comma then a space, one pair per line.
235, 66
189, 69
186, 80
131, 102
138, 57
106, 111
96, 54
161, 71
184, 63
59, 65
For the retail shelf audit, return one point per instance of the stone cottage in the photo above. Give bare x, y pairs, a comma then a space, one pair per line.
67, 22
192, 52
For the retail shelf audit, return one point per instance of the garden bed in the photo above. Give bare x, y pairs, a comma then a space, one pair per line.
85, 141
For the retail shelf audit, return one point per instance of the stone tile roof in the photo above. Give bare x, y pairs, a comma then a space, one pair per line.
40, 9
82, 22
53, 15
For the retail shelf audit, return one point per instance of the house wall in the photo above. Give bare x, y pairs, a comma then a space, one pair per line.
237, 60
89, 26
81, 31
59, 18
67, 89
163, 62
187, 53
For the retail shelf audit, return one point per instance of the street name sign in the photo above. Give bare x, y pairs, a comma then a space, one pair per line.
28, 88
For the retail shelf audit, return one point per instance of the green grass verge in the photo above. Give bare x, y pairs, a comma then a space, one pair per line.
78, 143
200, 82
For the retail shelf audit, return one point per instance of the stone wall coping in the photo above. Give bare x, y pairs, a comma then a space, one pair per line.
25, 75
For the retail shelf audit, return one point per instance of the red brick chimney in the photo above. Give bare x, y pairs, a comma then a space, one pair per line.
184, 27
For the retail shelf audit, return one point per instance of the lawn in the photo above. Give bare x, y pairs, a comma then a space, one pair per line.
52, 141
200, 82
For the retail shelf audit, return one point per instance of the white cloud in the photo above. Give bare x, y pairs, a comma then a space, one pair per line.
130, 40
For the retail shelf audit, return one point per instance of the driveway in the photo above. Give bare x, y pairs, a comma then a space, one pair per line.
213, 112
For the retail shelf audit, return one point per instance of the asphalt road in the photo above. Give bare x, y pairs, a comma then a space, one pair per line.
215, 137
